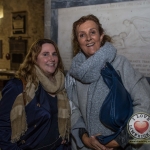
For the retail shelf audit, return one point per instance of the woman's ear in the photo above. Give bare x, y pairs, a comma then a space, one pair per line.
101, 37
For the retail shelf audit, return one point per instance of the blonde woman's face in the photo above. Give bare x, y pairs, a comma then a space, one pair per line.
89, 37
47, 59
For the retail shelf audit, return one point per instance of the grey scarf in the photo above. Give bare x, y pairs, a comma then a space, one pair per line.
88, 71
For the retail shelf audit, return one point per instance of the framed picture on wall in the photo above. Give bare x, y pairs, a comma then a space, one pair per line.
1, 49
19, 22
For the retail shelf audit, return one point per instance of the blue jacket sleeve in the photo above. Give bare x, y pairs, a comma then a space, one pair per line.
9, 93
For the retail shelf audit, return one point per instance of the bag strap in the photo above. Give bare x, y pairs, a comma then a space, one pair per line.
108, 73
24, 93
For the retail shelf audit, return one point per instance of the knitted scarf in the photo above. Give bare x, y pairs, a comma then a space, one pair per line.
88, 71
18, 115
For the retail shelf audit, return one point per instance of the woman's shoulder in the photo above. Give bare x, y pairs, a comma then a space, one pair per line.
13, 84
121, 61
120, 58
9, 93
129, 75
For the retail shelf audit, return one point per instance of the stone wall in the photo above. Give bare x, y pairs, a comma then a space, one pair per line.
57, 4
34, 24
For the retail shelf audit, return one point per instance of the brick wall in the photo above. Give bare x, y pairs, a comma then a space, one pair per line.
34, 24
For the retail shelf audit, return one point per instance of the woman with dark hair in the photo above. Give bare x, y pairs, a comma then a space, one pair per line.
87, 90
34, 109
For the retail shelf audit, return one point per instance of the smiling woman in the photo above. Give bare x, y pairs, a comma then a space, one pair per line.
89, 37
37, 93
88, 91
47, 60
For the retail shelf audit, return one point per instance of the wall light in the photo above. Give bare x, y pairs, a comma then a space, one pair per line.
1, 11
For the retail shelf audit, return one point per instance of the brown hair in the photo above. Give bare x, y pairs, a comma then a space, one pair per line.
27, 69
75, 43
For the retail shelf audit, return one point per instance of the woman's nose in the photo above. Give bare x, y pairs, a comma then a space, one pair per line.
88, 37
51, 57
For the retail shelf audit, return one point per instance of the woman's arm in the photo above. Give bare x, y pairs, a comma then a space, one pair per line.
77, 120
135, 83
9, 93
92, 143
139, 89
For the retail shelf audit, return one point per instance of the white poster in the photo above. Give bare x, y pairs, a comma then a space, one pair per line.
128, 23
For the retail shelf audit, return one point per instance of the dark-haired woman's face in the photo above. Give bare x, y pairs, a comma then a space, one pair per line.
89, 37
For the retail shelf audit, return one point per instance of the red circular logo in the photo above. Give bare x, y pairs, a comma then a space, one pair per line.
139, 126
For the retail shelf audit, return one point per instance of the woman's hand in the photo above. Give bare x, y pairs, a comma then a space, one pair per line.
112, 144
63, 142
92, 142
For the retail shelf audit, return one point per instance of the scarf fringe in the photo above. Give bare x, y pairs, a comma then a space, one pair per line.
19, 129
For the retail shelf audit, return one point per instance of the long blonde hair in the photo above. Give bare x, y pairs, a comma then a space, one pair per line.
27, 69
75, 43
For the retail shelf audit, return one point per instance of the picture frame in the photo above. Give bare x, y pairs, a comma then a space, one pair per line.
19, 22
